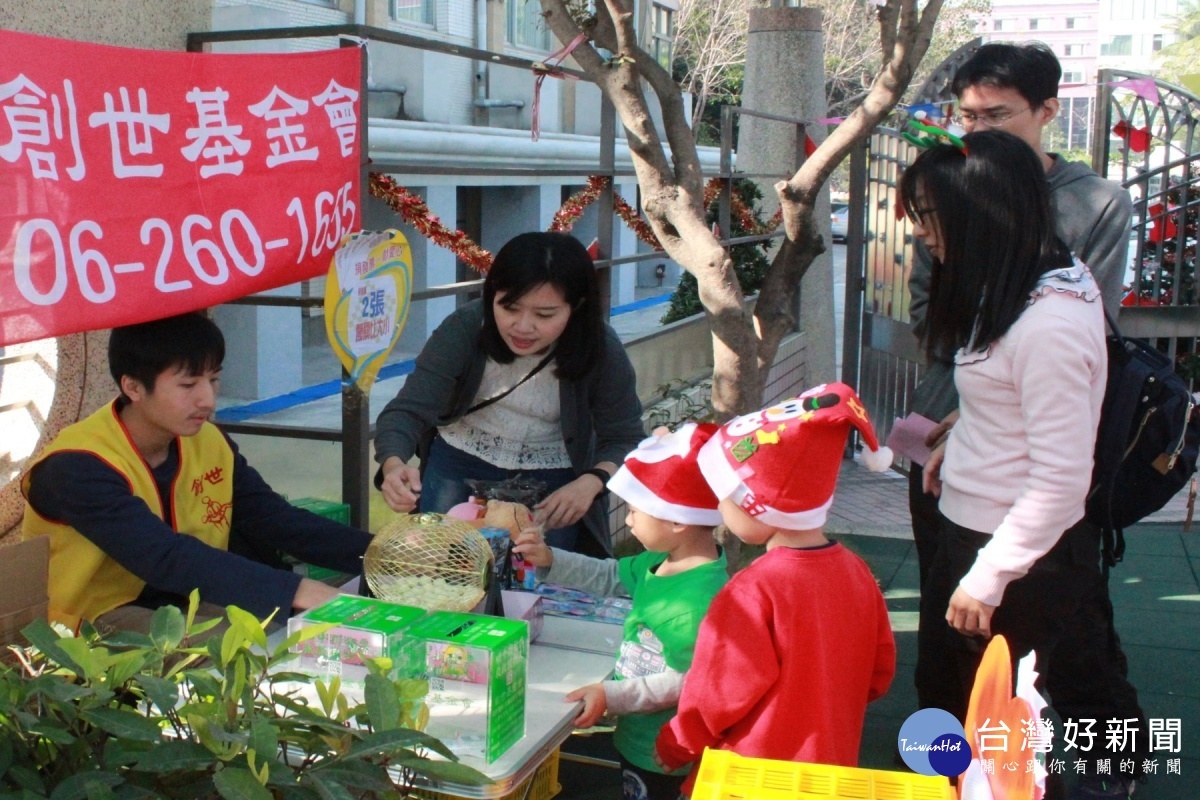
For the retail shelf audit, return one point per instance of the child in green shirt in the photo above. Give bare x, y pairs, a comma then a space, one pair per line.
672, 513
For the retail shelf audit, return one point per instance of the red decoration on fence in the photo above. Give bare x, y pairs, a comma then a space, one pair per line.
413, 210
1162, 223
1138, 138
566, 217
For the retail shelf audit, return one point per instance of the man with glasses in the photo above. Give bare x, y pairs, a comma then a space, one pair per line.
1014, 88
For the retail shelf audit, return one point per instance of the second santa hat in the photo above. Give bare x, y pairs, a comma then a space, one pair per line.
662, 479
781, 464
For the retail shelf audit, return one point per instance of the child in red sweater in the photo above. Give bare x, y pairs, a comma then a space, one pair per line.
797, 644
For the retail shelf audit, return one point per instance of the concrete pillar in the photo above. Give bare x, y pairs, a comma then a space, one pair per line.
624, 277
432, 265
785, 75
266, 355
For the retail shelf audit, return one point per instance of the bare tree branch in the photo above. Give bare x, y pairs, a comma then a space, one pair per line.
672, 190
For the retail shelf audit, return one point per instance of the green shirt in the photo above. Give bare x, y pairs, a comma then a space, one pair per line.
660, 632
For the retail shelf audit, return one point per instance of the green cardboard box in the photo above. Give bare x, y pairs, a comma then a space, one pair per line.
366, 628
475, 666
338, 512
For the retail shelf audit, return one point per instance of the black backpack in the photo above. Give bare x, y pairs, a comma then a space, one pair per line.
1147, 442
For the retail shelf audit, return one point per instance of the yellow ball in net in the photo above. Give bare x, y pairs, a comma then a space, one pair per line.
428, 561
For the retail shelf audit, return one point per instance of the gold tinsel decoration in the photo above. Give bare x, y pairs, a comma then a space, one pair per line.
428, 561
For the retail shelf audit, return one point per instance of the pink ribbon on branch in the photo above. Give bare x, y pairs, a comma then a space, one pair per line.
551, 67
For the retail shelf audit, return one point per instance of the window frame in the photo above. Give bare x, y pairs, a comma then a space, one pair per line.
517, 26
429, 7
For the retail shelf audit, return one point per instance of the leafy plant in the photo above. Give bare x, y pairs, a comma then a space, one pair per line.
173, 714
749, 260
681, 401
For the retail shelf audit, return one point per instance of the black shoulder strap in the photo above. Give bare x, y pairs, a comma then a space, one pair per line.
494, 398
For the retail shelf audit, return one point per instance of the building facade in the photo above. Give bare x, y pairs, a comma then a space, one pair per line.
1071, 28
429, 109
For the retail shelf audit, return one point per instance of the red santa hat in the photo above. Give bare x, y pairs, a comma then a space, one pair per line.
661, 477
781, 464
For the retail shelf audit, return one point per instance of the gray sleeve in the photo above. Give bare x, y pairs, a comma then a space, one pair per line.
1106, 251
595, 575
427, 392
646, 695
919, 279
615, 407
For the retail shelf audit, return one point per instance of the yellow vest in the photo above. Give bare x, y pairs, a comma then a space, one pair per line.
84, 581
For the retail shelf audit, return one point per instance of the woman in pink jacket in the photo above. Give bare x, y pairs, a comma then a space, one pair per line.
1026, 322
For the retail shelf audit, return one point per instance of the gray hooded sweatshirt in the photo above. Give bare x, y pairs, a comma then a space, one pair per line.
1093, 216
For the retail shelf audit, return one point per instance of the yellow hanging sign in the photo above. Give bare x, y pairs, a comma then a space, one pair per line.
367, 293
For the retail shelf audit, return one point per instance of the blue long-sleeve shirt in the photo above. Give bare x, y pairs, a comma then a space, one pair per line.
94, 499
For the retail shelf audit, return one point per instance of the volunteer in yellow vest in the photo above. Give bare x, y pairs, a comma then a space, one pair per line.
142, 499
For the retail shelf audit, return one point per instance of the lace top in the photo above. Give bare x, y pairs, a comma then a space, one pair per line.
519, 431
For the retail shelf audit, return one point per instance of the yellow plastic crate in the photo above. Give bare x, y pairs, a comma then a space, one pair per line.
541, 785
727, 776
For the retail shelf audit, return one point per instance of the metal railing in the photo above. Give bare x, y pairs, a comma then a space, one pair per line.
356, 430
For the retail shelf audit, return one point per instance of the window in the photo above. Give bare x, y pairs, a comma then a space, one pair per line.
1073, 50
1118, 46
1072, 77
1038, 24
1073, 22
413, 11
1156, 43
1122, 9
664, 35
526, 28
999, 25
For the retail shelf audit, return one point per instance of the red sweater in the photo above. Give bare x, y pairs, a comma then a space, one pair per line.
790, 653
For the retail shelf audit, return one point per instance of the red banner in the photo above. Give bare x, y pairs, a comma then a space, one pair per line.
136, 184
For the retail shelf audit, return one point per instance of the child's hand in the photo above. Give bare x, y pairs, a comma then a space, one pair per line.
533, 548
594, 704
658, 762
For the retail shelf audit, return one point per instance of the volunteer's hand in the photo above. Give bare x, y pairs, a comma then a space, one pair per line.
401, 485
594, 704
310, 594
968, 615
532, 547
567, 505
941, 431
931, 479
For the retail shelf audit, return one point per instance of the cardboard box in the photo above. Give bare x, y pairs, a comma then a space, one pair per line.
338, 512
24, 593
366, 628
476, 668
525, 606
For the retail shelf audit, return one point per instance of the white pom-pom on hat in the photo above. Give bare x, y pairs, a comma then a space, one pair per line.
878, 460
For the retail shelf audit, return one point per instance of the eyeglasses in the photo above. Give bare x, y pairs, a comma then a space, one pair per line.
917, 215
993, 119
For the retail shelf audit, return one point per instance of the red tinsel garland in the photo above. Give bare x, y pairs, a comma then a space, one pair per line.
413, 210
566, 217
744, 216
638, 225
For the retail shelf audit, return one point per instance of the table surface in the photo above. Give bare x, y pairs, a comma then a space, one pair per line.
568, 654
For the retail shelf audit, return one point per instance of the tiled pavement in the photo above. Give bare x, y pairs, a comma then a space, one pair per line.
1156, 597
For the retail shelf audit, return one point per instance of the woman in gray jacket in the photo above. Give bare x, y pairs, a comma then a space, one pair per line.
529, 381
